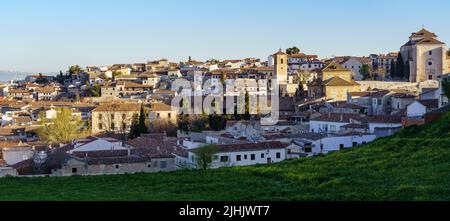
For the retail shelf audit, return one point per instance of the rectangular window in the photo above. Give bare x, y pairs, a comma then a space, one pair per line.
430, 52
224, 159
100, 126
341, 146
245, 157
252, 157
332, 128
74, 170
113, 126
169, 115
262, 156
163, 164
112, 116
238, 158
278, 155
100, 116
117, 166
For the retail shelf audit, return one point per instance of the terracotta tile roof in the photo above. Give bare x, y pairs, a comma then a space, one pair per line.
423, 33
432, 104
251, 146
343, 104
11, 144
280, 52
23, 165
385, 119
22, 91
161, 107
337, 81
334, 66
112, 107
302, 56
152, 145
45, 90
10, 131
430, 41
101, 154
164, 92
116, 160
356, 126
360, 94
136, 85
403, 95
21, 120
334, 117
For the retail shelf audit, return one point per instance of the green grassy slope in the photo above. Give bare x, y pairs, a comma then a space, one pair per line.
412, 165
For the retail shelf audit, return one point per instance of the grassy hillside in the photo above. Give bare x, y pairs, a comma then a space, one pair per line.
413, 165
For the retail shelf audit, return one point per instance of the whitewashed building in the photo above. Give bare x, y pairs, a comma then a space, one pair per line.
313, 143
244, 154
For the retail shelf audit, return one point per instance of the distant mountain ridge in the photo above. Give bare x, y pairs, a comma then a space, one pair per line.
13, 75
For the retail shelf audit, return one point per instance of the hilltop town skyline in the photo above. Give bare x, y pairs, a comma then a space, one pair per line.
64, 34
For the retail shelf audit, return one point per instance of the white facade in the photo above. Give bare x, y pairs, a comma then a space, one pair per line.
16, 155
425, 55
325, 126
374, 125
98, 144
355, 66
331, 144
416, 109
244, 158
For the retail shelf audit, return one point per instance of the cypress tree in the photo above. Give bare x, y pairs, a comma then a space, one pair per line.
406, 72
134, 131
142, 128
400, 67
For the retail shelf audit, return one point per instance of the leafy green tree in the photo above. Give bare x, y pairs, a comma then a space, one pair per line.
75, 69
293, 50
223, 78
184, 124
300, 89
63, 129
41, 79
217, 122
94, 90
446, 87
204, 156
365, 72
115, 74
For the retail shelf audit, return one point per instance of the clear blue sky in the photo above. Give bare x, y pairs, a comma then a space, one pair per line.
49, 35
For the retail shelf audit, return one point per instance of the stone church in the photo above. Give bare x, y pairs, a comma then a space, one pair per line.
428, 58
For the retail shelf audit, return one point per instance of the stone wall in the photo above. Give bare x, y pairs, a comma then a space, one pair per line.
7, 171
390, 85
